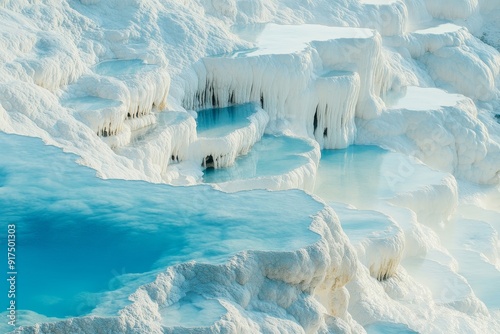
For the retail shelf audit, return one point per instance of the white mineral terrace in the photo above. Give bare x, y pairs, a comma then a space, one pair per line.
263, 166
274, 39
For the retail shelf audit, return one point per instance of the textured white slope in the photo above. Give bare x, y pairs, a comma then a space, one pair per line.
378, 240
444, 134
167, 141
475, 65
135, 88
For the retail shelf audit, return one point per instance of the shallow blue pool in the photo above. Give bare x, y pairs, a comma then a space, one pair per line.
218, 122
273, 155
77, 234
353, 175
122, 67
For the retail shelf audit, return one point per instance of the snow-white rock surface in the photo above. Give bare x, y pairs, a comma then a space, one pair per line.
121, 84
